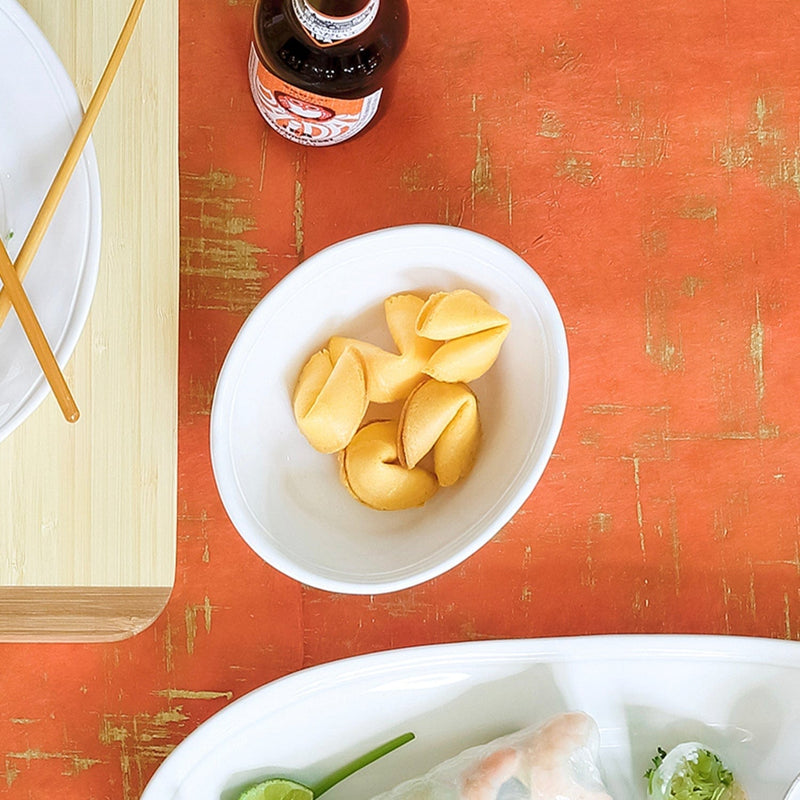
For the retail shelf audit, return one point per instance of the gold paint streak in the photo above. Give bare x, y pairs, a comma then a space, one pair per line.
654, 242
481, 176
767, 430
527, 594
213, 181
764, 432
640, 604
788, 171
589, 580
564, 57
785, 562
576, 168
527, 555
509, 198
299, 211
143, 742
699, 207
222, 257
726, 596
207, 613
650, 141
676, 544
190, 616
590, 438
757, 351
73, 763
720, 524
764, 133
214, 248
637, 482
615, 409
202, 518
659, 347
600, 522
691, 285
411, 178
797, 555
736, 506
188, 694
752, 595
201, 394
169, 648
263, 164
444, 211
787, 622
732, 156
763, 147
551, 126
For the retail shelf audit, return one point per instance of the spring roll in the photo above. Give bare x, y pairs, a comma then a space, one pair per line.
554, 761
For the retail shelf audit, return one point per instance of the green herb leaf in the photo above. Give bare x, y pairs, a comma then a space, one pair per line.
700, 776
658, 760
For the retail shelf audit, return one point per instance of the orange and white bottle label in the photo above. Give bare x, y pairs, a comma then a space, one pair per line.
305, 117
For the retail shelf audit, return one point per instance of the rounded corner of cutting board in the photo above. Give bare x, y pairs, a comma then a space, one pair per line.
130, 383
78, 613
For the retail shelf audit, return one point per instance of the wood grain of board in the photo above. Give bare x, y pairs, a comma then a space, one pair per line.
88, 511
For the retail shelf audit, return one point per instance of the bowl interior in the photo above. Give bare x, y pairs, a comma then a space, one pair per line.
286, 499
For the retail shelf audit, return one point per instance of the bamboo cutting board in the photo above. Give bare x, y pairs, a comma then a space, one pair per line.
88, 511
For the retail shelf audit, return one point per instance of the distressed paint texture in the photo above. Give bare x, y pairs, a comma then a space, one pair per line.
645, 159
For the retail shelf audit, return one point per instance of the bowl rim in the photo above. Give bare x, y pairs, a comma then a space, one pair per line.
223, 465
86, 171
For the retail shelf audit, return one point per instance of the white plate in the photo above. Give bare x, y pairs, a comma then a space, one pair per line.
740, 696
40, 114
286, 499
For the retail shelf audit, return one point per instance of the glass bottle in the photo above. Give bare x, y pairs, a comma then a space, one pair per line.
318, 68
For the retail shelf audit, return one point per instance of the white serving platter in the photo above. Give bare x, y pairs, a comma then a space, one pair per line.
740, 696
40, 113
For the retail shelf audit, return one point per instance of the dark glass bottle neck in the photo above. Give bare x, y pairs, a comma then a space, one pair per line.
338, 8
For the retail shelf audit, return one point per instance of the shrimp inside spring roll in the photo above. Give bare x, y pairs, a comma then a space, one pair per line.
554, 761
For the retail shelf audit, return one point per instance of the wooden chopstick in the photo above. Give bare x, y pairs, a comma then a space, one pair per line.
38, 340
59, 185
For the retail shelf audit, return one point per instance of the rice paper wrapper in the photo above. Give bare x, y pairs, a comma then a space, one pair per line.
557, 760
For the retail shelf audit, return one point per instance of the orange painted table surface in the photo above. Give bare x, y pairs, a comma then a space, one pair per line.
644, 158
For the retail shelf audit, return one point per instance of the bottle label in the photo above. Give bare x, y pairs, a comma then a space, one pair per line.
330, 30
305, 117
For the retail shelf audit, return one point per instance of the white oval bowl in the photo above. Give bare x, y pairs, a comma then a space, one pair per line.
286, 500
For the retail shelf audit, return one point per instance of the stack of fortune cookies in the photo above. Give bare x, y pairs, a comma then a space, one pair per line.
400, 461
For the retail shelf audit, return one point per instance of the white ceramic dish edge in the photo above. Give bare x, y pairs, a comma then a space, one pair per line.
224, 468
681, 662
88, 171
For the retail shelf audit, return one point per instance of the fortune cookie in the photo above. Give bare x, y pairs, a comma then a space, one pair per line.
330, 399
442, 417
368, 468
391, 376
473, 332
